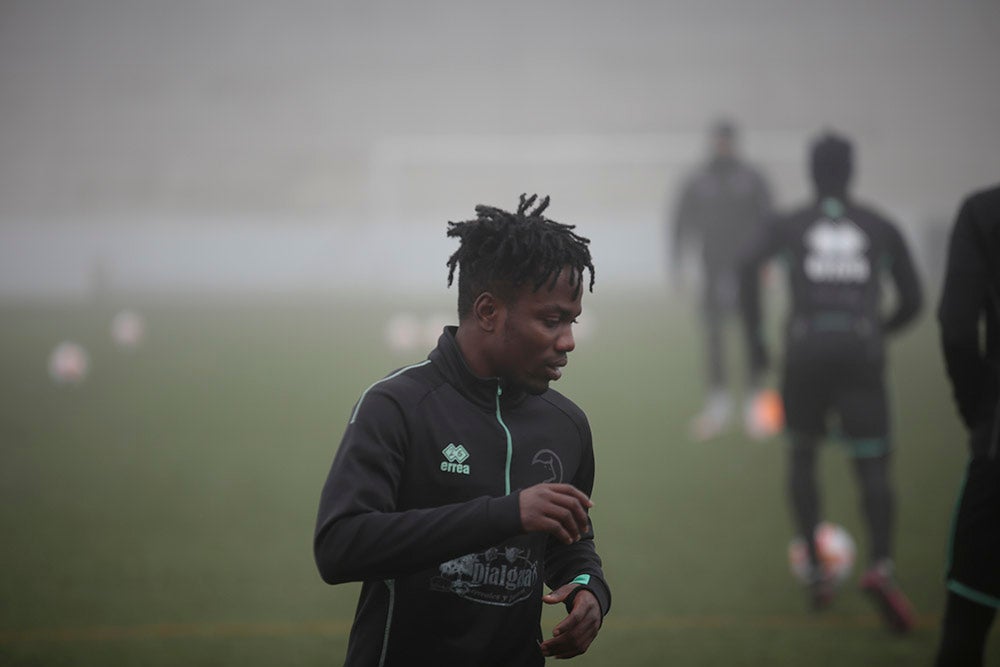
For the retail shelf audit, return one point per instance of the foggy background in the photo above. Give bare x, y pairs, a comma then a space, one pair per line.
159, 512
303, 146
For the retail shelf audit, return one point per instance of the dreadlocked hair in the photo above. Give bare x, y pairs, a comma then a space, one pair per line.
501, 251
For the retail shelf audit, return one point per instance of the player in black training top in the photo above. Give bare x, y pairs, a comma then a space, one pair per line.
837, 252
461, 485
971, 297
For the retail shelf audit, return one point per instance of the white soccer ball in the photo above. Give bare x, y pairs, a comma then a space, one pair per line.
403, 333
128, 329
836, 551
68, 363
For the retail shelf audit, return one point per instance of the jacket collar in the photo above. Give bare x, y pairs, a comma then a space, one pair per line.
480, 390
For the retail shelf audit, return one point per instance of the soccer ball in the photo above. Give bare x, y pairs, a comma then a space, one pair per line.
68, 363
765, 414
403, 333
836, 551
127, 329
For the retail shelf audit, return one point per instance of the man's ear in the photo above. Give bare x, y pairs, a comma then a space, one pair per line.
486, 311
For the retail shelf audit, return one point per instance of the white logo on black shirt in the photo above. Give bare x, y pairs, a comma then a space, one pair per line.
836, 252
500, 576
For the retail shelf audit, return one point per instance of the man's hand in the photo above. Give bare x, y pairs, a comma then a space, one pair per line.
575, 633
557, 509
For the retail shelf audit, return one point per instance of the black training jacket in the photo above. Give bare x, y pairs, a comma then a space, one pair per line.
421, 505
971, 295
836, 253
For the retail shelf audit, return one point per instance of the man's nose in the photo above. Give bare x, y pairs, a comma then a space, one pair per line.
566, 342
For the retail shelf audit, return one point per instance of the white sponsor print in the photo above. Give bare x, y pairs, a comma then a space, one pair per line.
500, 576
837, 252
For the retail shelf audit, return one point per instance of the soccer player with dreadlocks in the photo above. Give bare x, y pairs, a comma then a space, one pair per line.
462, 482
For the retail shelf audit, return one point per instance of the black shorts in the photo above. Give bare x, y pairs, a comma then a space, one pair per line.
974, 550
835, 397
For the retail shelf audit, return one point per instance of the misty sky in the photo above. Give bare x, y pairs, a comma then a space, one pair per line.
117, 113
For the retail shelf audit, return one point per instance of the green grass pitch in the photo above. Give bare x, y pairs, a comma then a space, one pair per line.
161, 513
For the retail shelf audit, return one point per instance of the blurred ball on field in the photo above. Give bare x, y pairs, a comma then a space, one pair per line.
68, 363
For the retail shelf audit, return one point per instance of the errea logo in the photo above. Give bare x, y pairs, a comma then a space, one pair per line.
456, 456
837, 252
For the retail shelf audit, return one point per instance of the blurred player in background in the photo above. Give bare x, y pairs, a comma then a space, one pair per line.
720, 208
837, 253
461, 484
971, 297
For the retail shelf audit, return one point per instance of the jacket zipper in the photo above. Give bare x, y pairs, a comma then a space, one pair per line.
510, 443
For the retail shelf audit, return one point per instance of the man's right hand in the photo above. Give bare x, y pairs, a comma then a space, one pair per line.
557, 509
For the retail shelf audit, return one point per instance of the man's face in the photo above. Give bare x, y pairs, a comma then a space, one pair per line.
723, 146
537, 334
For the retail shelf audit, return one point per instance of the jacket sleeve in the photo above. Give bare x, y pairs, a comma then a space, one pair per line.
684, 228
904, 276
764, 245
361, 534
765, 207
579, 562
963, 301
